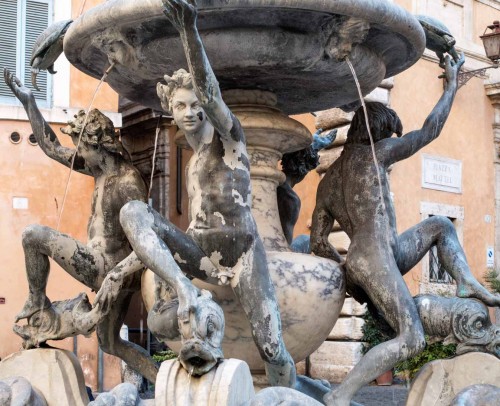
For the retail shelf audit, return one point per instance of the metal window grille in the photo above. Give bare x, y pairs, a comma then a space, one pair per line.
437, 273
21, 22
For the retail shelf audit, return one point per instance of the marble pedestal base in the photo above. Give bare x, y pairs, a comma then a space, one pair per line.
55, 373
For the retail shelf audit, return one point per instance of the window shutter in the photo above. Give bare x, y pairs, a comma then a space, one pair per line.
8, 46
37, 19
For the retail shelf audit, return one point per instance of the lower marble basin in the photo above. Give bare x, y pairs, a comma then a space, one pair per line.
310, 292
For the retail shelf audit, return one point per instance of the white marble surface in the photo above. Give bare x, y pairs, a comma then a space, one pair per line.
55, 373
440, 381
228, 384
310, 292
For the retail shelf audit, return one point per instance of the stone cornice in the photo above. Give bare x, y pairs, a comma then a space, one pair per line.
492, 3
54, 115
493, 92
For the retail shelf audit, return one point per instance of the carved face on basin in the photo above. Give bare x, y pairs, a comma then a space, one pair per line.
202, 337
54, 323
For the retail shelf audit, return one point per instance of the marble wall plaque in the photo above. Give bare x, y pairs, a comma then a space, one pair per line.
441, 173
20, 203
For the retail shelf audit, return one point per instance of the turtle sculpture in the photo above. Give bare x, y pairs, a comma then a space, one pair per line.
438, 38
47, 48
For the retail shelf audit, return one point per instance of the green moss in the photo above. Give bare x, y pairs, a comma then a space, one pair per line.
164, 356
374, 332
491, 278
437, 350
377, 331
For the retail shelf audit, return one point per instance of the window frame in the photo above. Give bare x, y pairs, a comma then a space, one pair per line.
456, 214
21, 61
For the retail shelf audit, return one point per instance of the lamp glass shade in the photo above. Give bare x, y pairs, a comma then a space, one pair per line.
491, 44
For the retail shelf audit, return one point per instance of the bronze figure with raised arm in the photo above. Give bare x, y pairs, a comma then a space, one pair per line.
222, 244
378, 257
117, 182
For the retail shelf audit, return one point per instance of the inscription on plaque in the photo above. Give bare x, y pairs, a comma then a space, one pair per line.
441, 173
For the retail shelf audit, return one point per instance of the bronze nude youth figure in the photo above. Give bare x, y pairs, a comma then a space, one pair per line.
378, 257
116, 183
296, 165
222, 244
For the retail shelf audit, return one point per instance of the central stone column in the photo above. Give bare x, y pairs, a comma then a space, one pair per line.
269, 134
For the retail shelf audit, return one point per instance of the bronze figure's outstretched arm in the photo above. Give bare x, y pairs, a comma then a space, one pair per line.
45, 136
392, 150
183, 14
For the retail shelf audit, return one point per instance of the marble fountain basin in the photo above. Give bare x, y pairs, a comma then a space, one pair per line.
288, 47
310, 292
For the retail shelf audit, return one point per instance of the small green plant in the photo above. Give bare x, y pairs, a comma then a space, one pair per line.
374, 333
165, 355
437, 350
377, 331
492, 279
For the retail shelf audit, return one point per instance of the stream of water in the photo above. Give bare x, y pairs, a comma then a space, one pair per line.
78, 143
154, 158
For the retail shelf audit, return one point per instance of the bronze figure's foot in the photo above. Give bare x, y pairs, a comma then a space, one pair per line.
473, 289
32, 306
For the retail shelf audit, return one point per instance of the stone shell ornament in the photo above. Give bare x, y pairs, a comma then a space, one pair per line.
47, 48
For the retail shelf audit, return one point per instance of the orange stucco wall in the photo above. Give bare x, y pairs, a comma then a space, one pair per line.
483, 16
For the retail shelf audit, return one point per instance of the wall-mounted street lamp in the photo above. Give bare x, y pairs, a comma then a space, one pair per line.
491, 43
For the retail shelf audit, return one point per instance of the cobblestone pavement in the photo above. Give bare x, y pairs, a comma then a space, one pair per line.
372, 395
394, 395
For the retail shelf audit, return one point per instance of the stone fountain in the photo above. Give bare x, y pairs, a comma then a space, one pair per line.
272, 58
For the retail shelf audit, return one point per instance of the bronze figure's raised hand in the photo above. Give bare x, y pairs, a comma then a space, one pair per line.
181, 13
452, 69
23, 94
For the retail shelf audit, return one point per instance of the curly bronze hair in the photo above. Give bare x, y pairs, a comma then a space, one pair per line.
298, 164
383, 123
181, 79
99, 130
